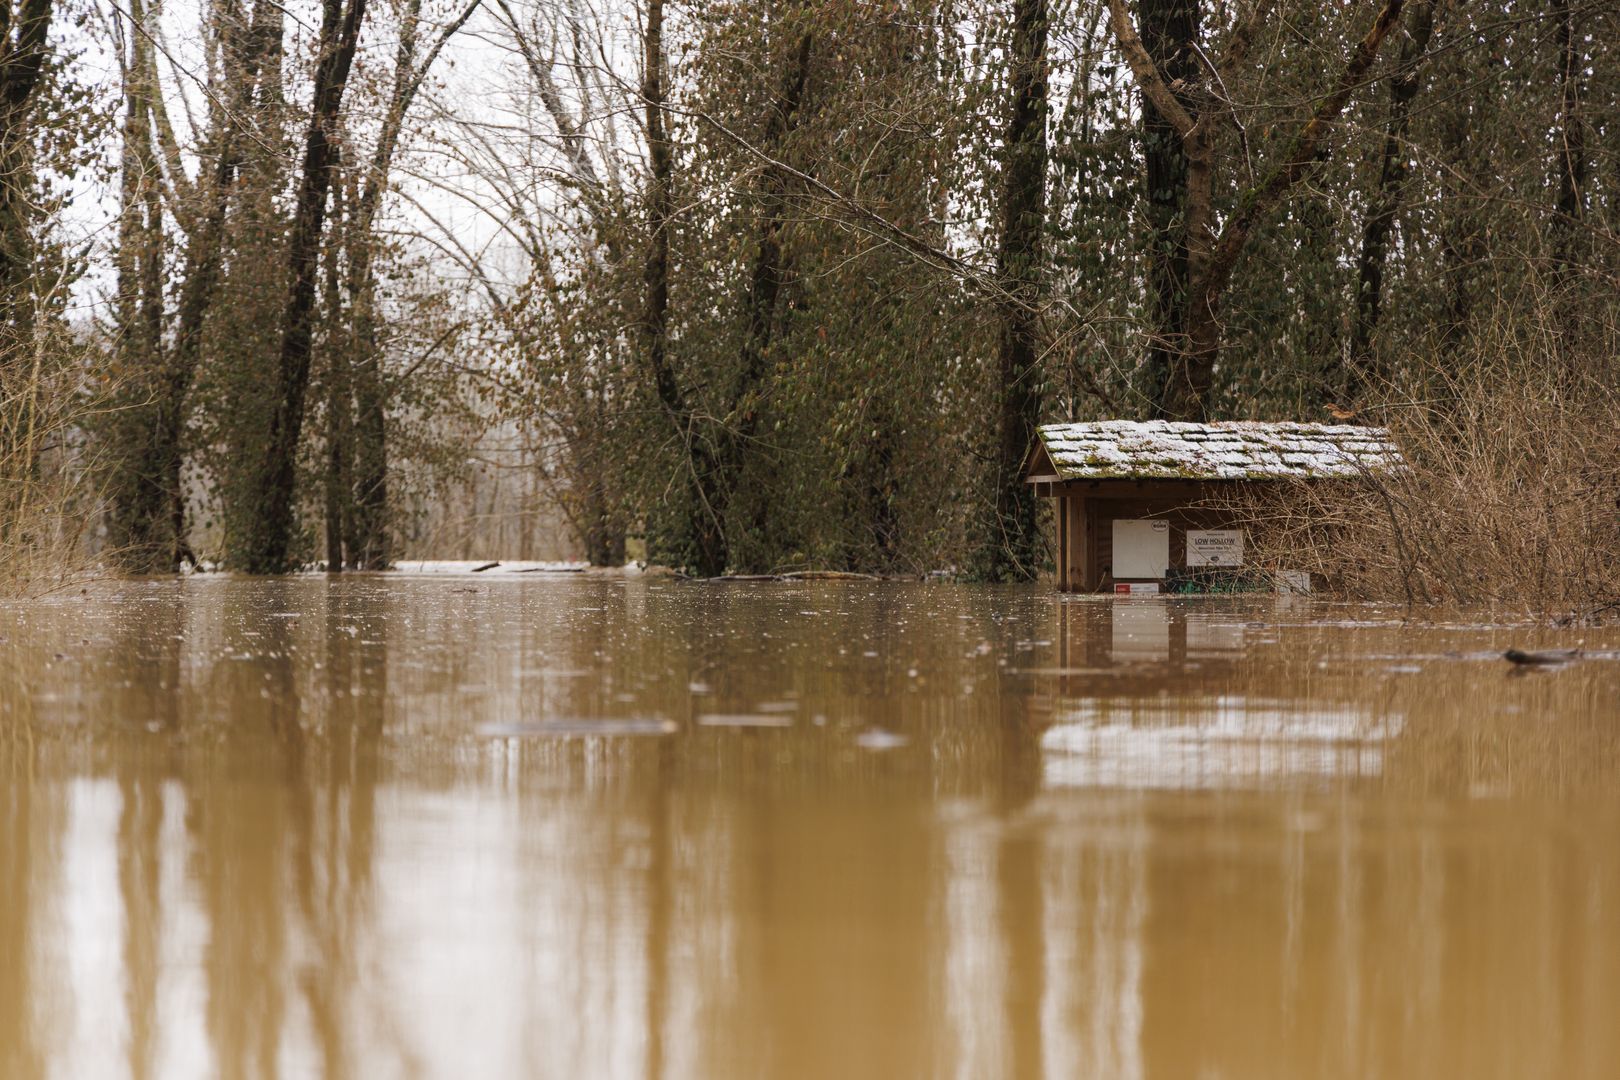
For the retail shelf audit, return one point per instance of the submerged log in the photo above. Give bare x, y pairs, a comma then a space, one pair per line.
828, 575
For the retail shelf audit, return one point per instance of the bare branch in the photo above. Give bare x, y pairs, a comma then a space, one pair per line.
1147, 73
867, 219
1259, 200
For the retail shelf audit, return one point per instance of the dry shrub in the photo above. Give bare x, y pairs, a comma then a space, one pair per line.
1511, 498
47, 505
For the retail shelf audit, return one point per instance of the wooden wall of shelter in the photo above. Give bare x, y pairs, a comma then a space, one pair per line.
1085, 512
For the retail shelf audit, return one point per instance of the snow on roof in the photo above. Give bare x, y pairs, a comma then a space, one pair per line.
1232, 450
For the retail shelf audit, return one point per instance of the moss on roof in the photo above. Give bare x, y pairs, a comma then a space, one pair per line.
1232, 450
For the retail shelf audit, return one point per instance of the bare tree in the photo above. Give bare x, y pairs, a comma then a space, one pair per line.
267, 548
367, 540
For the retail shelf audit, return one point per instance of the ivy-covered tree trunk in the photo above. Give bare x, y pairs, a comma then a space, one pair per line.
1213, 256
367, 518
602, 533
767, 276
370, 548
1012, 548
715, 452
1393, 172
1571, 158
138, 525
24, 40
654, 321
149, 511
1169, 30
268, 546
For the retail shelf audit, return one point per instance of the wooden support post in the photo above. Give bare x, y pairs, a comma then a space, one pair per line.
1062, 516
1073, 520
1078, 547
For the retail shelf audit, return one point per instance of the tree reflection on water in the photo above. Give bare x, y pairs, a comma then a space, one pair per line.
264, 827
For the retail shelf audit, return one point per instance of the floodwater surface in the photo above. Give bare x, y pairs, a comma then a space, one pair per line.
482, 826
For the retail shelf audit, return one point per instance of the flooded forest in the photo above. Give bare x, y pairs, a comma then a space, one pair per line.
751, 287
809, 538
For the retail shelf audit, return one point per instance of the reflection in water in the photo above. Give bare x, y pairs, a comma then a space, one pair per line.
379, 826
1220, 742
1141, 631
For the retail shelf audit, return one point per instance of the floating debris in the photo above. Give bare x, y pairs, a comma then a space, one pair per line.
828, 575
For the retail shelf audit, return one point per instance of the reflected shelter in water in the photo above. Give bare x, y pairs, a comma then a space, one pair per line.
385, 825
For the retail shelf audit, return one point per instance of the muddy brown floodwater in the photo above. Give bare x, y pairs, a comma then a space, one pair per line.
471, 826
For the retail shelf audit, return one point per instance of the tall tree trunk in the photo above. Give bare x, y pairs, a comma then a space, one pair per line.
339, 510
139, 521
604, 539
1572, 164
268, 547
24, 40
140, 255
1212, 258
1365, 369
1013, 546
715, 460
654, 321
660, 209
370, 547
766, 279
1170, 30
153, 505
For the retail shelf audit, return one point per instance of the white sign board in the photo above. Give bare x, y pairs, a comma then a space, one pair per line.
1141, 548
1294, 581
1214, 547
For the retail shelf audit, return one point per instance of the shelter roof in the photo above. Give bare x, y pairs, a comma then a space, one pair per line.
1231, 450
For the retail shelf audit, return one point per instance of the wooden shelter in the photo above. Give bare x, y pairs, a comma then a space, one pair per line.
1140, 503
